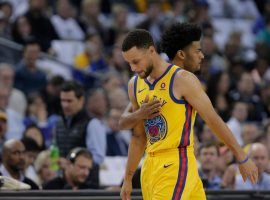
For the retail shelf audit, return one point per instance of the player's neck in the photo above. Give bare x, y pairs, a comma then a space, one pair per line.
178, 62
160, 66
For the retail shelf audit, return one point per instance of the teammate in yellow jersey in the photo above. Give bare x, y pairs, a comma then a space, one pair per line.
169, 170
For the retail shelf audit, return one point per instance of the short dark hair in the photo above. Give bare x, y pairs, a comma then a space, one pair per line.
30, 144
78, 151
207, 145
139, 38
178, 36
74, 86
30, 41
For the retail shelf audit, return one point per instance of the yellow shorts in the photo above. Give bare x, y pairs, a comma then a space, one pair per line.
171, 174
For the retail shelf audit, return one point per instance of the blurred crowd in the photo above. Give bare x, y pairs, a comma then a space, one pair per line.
78, 114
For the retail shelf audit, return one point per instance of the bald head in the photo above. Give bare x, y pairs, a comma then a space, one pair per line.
10, 144
13, 155
259, 154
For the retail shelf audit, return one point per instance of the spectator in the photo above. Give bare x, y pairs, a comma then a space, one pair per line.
245, 91
7, 54
6, 12
217, 89
265, 98
76, 173
14, 162
96, 107
93, 20
239, 116
92, 59
116, 144
70, 129
42, 166
111, 81
207, 135
250, 132
51, 95
64, 22
36, 114
28, 77
33, 132
22, 30
15, 126
232, 179
31, 151
7, 79
41, 25
118, 98
208, 157
153, 21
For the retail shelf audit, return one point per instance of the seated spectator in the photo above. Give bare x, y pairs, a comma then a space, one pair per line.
33, 132
97, 107
15, 126
51, 95
207, 135
250, 132
31, 151
21, 30
208, 156
116, 144
13, 162
17, 100
43, 169
92, 59
118, 98
65, 23
239, 116
75, 174
36, 114
28, 77
42, 27
233, 180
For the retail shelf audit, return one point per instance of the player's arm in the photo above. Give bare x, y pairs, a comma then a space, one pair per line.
189, 87
148, 110
136, 148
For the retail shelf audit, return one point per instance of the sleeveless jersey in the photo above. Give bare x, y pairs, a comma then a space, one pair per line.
173, 128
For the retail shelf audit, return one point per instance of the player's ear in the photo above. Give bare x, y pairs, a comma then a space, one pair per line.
152, 49
181, 54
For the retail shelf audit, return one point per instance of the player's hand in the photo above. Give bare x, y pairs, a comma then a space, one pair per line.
149, 109
249, 171
126, 190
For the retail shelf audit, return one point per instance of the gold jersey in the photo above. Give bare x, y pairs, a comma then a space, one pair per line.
173, 128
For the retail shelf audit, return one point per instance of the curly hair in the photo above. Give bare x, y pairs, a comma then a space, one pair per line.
178, 36
139, 38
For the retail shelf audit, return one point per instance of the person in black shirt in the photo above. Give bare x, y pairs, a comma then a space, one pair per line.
75, 174
14, 162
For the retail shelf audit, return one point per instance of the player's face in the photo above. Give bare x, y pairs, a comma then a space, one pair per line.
193, 57
140, 61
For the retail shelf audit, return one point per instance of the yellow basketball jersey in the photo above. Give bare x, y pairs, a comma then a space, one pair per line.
173, 128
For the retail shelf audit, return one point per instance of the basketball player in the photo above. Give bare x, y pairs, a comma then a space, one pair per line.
169, 170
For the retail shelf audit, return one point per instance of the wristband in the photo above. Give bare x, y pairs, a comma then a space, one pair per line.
243, 161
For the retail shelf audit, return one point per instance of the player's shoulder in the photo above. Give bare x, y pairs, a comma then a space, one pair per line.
132, 80
184, 75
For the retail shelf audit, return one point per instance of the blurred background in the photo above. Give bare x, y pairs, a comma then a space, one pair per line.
63, 84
